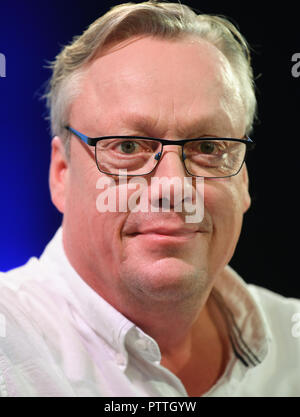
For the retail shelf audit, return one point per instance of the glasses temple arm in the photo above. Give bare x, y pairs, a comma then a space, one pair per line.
81, 136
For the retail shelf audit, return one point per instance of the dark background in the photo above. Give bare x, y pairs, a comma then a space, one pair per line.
33, 32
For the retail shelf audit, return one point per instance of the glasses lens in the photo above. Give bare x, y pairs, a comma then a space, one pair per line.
134, 156
214, 158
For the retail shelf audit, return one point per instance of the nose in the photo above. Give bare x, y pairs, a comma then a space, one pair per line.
170, 162
169, 185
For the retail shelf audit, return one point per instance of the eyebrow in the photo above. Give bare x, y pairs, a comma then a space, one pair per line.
142, 124
148, 126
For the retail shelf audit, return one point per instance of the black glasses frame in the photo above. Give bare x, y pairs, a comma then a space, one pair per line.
93, 142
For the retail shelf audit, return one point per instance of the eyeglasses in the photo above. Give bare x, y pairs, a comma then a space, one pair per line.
202, 157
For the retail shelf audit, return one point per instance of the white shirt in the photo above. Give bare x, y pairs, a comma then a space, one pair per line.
58, 337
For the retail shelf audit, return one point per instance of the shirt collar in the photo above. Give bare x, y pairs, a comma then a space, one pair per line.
249, 332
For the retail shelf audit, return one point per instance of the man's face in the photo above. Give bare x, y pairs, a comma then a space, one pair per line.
164, 89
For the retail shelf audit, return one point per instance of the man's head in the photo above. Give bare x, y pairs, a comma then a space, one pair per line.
154, 70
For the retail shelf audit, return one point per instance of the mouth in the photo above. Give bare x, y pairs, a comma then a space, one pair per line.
169, 232
167, 235
169, 229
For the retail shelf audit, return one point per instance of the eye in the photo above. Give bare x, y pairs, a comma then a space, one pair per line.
128, 146
207, 147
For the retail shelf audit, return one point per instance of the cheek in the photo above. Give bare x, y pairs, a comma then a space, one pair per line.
223, 200
105, 225
104, 238
223, 204
96, 230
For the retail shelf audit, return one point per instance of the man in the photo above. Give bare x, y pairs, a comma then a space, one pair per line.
141, 302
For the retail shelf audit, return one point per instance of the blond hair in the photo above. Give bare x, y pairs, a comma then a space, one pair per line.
163, 20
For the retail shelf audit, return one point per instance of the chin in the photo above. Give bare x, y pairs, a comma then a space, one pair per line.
167, 279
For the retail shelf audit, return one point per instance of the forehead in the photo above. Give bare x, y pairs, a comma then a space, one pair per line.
148, 82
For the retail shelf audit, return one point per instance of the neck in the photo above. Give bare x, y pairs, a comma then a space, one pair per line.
169, 326
170, 322
176, 329
194, 345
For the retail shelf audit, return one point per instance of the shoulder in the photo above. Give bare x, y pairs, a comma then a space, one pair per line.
33, 319
280, 312
282, 316
21, 298
30, 296
20, 290
270, 324
279, 372
13, 295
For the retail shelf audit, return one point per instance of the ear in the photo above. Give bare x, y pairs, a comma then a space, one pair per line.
58, 174
246, 199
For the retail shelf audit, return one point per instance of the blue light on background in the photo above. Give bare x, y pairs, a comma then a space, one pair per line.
33, 32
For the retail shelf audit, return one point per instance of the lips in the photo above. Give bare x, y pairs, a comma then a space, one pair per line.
169, 231
163, 225
155, 237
